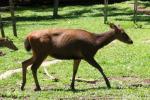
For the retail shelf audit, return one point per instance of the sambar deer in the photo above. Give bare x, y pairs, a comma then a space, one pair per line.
68, 44
5, 42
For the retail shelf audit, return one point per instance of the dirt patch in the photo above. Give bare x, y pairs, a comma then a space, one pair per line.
143, 10
147, 41
78, 79
1, 53
131, 80
125, 80
44, 64
146, 81
9, 73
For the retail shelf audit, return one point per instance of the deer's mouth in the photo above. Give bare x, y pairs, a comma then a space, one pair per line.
130, 42
16, 49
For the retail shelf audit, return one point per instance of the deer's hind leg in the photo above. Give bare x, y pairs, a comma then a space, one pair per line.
25, 64
75, 69
37, 62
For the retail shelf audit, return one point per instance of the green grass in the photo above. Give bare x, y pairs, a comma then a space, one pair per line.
117, 59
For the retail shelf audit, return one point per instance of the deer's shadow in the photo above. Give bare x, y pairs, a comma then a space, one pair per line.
77, 90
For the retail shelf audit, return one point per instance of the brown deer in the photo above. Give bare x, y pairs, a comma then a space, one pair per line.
5, 42
68, 44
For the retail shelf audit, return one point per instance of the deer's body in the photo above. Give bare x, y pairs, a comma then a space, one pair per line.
73, 44
59, 43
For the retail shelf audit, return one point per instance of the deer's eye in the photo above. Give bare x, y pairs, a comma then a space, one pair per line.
124, 35
122, 31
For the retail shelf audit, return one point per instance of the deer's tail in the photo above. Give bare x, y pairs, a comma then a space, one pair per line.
27, 44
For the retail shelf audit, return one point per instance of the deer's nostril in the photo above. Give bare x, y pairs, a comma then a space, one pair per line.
131, 42
16, 48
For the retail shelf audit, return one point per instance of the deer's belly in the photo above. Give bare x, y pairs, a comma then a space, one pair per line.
66, 57
66, 54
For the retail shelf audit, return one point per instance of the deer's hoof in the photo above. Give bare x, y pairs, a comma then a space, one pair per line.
22, 88
109, 87
55, 79
37, 89
72, 88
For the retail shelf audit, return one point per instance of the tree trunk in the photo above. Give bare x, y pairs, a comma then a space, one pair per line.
1, 27
135, 10
13, 17
55, 11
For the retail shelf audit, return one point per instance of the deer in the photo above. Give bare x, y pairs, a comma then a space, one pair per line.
68, 44
6, 42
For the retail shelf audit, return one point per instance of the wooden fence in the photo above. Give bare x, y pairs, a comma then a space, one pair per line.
12, 21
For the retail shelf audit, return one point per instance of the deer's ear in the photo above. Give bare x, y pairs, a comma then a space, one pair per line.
113, 26
8, 39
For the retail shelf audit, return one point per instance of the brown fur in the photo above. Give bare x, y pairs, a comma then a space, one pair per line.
73, 44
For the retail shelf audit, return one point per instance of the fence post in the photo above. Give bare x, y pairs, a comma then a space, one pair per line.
13, 17
1, 27
105, 11
135, 10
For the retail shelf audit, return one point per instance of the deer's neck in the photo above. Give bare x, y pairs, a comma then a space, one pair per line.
2, 45
105, 38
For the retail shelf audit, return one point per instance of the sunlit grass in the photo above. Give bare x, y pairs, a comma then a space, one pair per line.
117, 59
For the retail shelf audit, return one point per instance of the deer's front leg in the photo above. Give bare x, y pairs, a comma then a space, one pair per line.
92, 62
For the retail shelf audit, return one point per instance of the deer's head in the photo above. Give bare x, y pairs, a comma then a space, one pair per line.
121, 35
8, 43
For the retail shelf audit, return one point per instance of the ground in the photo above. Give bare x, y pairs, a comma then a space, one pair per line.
127, 66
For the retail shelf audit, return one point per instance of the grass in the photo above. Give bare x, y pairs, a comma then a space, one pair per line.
117, 59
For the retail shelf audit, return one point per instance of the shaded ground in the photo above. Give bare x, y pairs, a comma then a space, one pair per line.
124, 82
132, 81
